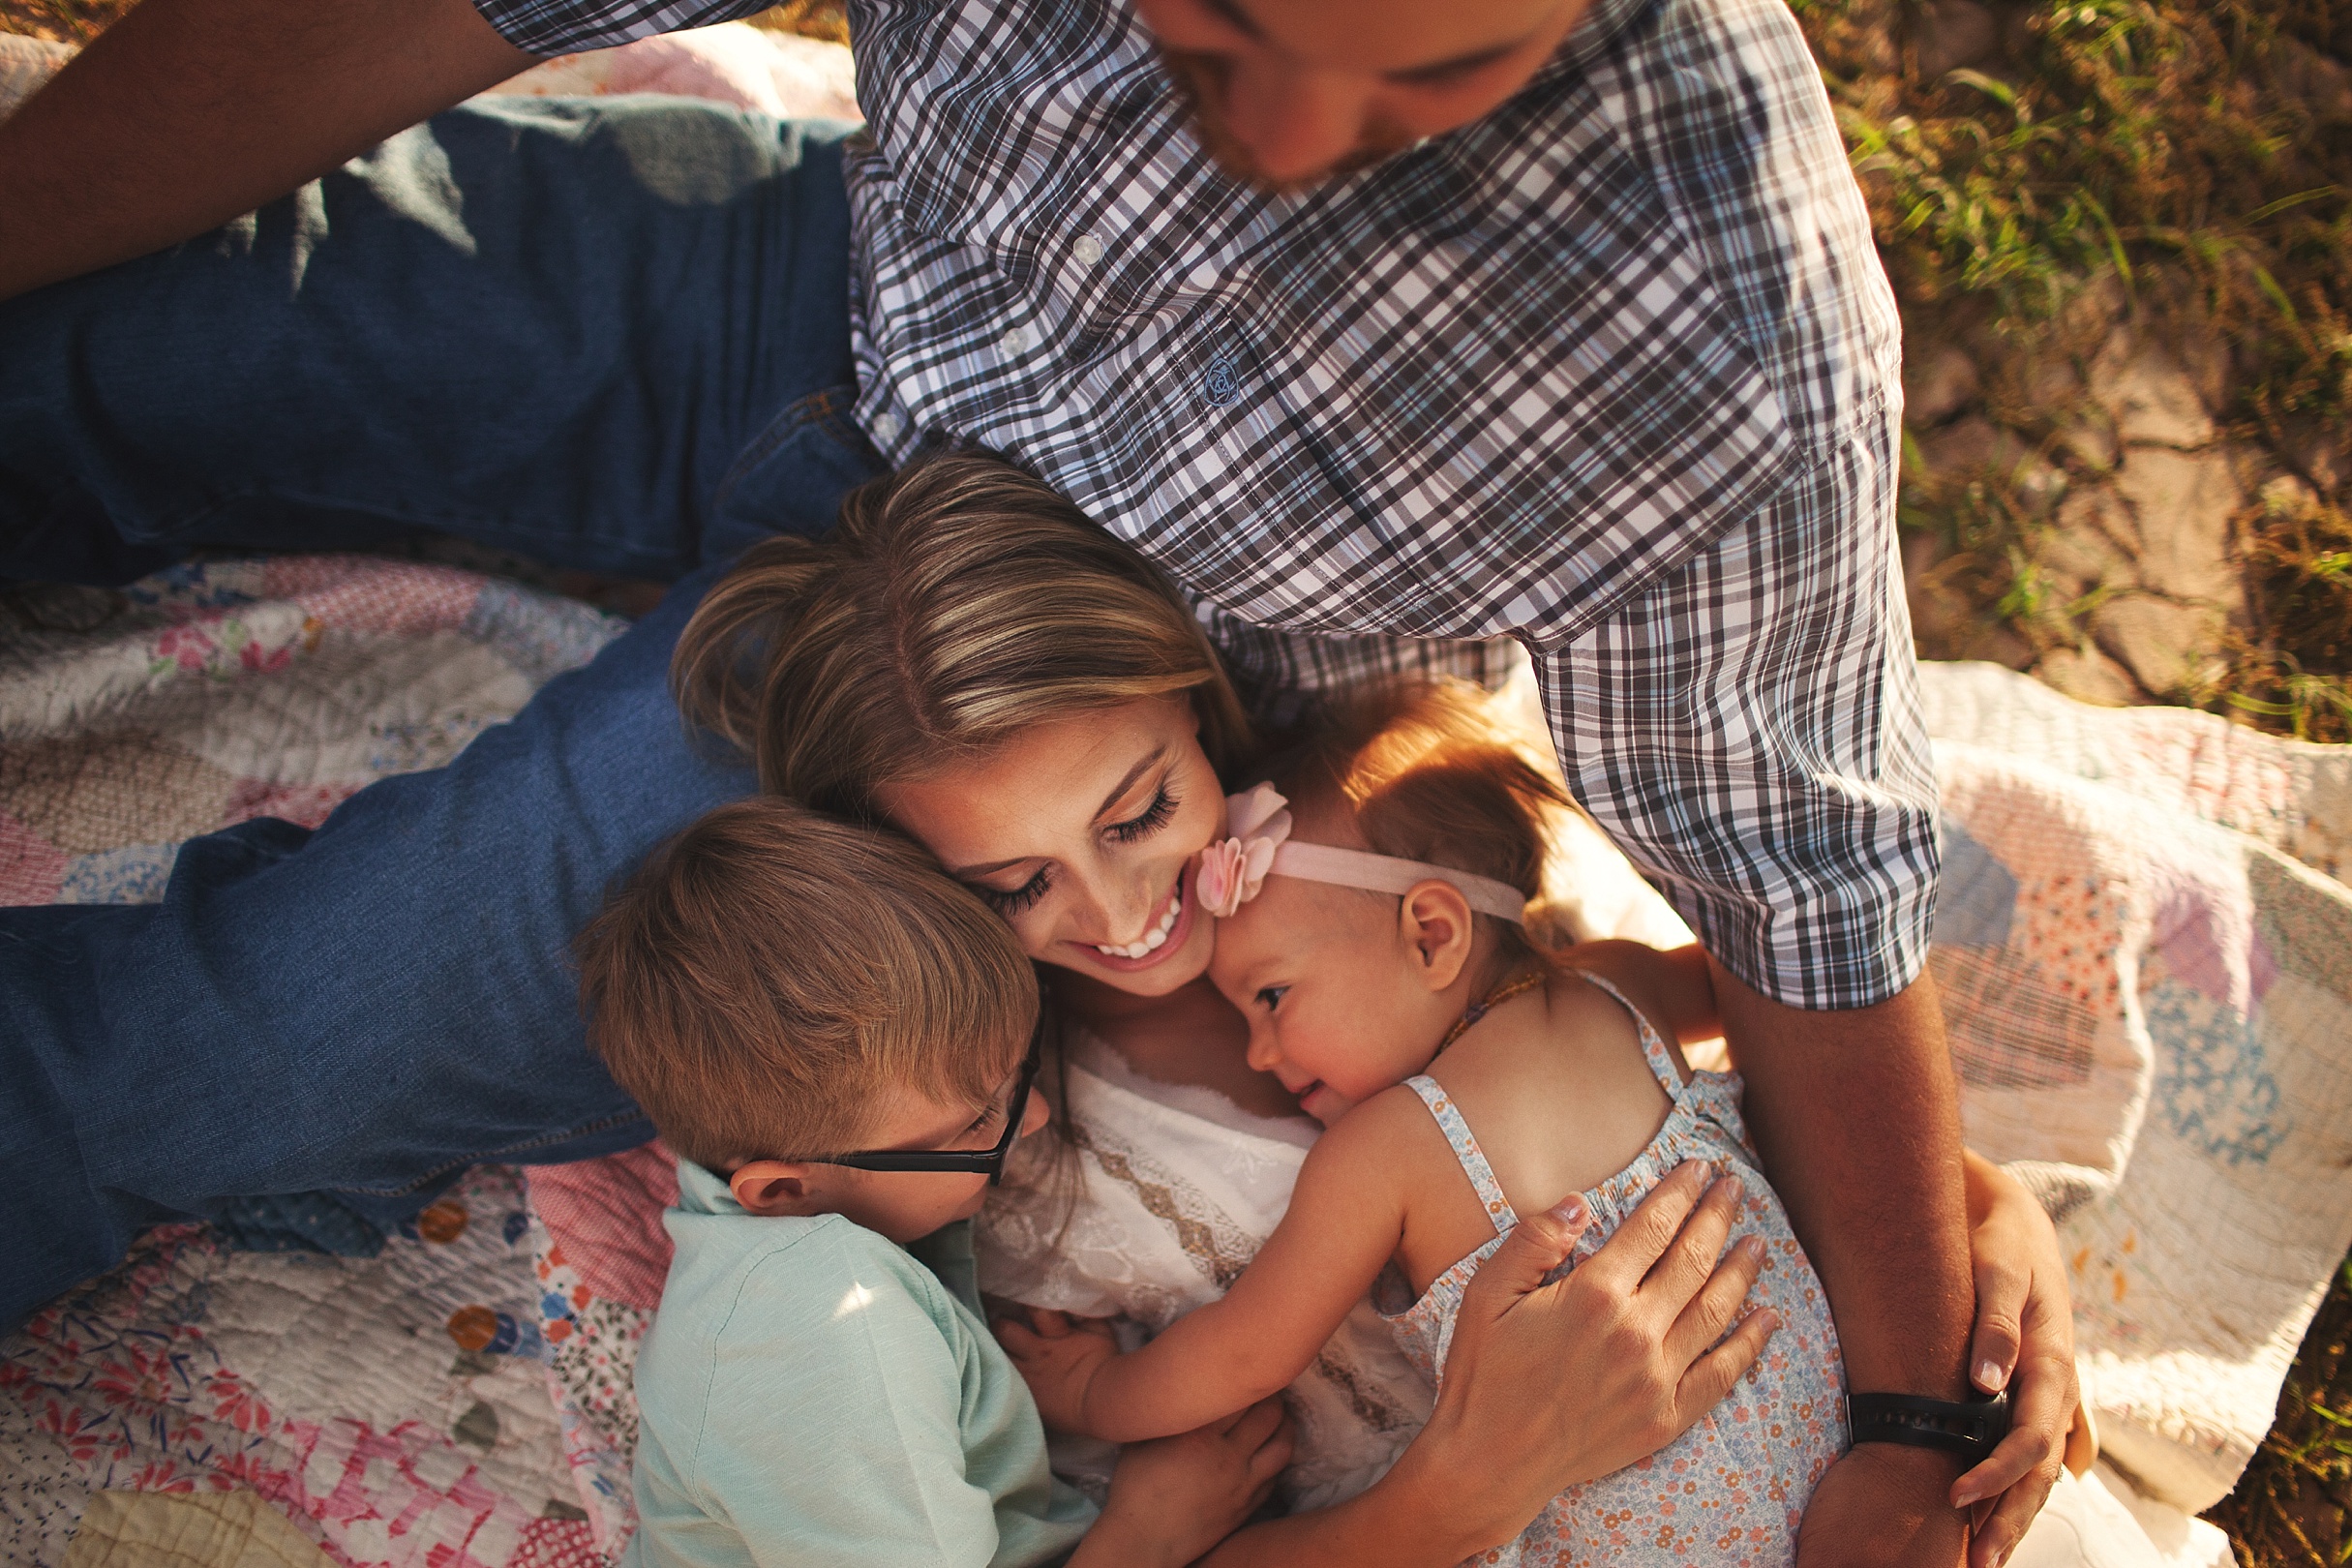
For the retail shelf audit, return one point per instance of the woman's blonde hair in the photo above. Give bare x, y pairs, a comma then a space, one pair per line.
958, 603
1428, 772
771, 976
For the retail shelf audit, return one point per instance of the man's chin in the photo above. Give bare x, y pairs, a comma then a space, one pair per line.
1200, 82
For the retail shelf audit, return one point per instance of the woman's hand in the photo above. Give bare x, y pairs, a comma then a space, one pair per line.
1547, 1385
2024, 1340
1173, 1498
1057, 1356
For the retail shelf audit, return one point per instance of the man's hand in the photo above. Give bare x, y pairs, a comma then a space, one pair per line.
2025, 1342
1857, 1118
188, 112
1883, 1505
1057, 1356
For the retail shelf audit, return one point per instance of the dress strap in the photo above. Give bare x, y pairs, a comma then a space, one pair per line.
1661, 1060
1466, 1149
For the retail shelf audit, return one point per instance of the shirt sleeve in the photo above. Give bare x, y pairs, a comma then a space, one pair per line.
1749, 730
545, 27
836, 1440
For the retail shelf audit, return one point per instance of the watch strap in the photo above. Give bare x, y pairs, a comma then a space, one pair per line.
1971, 1428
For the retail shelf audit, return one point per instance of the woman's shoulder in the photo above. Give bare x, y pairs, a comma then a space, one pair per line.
1102, 1082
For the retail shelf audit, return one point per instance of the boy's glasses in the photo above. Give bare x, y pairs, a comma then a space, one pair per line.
989, 1163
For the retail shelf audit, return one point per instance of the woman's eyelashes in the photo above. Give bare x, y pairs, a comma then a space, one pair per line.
1018, 900
1153, 817
1008, 904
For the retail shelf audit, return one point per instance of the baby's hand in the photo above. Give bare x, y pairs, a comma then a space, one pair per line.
1057, 1355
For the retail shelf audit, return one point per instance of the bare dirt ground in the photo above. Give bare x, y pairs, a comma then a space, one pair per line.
2122, 234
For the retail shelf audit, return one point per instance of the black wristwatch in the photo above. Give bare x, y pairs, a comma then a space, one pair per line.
1971, 1429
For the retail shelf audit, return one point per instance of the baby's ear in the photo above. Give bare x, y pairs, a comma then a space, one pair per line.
775, 1187
1435, 922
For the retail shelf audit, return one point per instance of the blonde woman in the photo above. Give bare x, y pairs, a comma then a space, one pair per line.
968, 658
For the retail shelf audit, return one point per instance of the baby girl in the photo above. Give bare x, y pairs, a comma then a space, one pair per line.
1374, 935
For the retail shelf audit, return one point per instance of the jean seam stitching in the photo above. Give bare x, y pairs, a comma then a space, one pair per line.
602, 1124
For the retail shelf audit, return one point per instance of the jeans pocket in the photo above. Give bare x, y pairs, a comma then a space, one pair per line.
791, 476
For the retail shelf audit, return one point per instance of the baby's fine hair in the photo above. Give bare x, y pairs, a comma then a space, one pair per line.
1428, 772
769, 972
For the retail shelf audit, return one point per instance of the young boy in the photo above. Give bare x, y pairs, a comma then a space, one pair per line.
840, 1044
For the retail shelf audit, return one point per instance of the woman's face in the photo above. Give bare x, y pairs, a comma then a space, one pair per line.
1081, 832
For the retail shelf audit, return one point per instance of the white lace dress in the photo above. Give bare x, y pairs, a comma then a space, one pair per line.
1154, 1206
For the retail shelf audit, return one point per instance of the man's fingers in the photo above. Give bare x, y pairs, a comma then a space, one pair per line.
2018, 1456
1651, 1228
1992, 1541
2041, 1410
1711, 1377
1718, 1301
2001, 1304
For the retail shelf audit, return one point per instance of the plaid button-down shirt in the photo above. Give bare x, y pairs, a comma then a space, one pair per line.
1612, 372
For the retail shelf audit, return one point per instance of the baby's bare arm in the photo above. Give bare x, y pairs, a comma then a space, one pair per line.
1344, 1220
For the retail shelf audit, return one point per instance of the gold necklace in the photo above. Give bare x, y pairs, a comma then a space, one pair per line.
1494, 999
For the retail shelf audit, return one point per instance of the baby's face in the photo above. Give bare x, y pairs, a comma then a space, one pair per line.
1333, 992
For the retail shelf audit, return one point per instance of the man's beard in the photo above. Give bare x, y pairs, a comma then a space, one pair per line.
1200, 84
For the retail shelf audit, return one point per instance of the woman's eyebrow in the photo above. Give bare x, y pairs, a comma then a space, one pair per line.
1128, 783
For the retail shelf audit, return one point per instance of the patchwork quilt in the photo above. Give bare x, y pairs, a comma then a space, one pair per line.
2149, 991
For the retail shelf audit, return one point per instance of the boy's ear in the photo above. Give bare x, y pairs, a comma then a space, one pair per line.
1435, 922
777, 1186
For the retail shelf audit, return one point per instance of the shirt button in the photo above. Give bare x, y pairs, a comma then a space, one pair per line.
1087, 249
1015, 341
886, 428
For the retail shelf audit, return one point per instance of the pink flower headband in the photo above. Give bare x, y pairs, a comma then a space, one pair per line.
1233, 871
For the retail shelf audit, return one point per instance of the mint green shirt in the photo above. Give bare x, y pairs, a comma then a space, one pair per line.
810, 1394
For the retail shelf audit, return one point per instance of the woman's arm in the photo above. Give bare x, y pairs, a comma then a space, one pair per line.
1547, 1385
1345, 1216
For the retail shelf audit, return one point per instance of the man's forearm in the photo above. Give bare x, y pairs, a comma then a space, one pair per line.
1858, 1118
188, 112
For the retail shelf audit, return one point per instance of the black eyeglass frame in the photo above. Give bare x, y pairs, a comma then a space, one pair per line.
989, 1163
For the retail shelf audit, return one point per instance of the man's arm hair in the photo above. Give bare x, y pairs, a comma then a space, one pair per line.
188, 112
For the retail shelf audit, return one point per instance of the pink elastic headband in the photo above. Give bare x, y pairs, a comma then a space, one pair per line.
1233, 870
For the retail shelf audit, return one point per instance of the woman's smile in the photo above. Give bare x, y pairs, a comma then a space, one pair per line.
1082, 833
1164, 937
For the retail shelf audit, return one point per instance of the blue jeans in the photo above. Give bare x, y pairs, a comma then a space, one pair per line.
613, 335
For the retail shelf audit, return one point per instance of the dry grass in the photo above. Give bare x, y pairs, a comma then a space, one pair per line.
61, 22
2196, 159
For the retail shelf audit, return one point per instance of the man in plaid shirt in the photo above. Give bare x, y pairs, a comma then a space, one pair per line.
1391, 331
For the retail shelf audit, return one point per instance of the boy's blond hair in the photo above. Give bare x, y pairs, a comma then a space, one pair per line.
769, 973
1428, 772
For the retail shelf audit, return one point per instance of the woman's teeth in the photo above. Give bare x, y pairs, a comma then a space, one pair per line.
1155, 938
